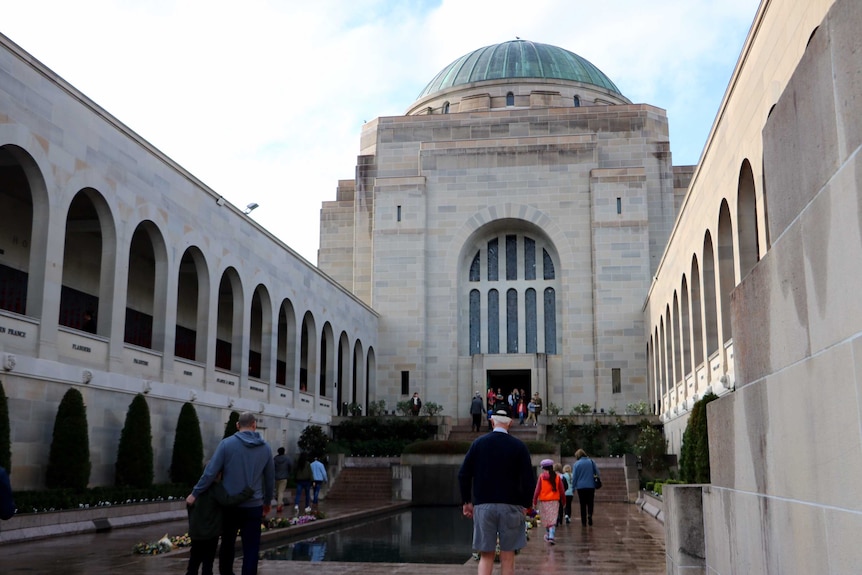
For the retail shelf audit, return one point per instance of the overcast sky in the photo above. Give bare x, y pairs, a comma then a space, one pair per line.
263, 101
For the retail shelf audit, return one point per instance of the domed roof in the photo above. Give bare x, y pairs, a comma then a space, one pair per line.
518, 59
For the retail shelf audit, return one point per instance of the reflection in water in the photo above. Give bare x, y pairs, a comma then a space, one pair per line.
418, 535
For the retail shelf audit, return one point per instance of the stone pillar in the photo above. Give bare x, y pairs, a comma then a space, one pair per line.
685, 547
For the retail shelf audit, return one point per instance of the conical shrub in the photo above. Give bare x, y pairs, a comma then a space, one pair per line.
5, 435
187, 459
69, 458
134, 466
230, 426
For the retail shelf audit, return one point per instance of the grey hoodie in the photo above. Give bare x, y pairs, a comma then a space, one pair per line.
246, 461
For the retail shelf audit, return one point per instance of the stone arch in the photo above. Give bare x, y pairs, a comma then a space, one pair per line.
726, 277
685, 310
286, 372
260, 362
746, 220
327, 360
710, 302
229, 313
146, 288
193, 297
308, 352
342, 370
696, 313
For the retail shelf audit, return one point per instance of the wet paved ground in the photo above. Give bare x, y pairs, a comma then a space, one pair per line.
623, 540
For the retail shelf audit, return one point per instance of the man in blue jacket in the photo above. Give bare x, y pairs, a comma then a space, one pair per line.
497, 481
245, 460
7, 503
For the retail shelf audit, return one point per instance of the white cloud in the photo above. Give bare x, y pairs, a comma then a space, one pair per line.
264, 101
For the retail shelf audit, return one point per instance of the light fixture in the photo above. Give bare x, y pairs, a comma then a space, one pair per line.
220, 201
249, 208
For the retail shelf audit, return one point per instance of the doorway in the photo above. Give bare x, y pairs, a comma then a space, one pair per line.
509, 379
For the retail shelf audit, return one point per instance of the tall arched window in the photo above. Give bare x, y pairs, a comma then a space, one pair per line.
501, 299
577, 101
510, 99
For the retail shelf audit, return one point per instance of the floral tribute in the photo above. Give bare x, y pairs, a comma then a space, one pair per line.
166, 543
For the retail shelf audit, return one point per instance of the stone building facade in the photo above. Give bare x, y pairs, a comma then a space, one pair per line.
506, 229
756, 299
190, 300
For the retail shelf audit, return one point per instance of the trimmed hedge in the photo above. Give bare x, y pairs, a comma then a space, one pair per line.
134, 467
188, 455
69, 459
62, 499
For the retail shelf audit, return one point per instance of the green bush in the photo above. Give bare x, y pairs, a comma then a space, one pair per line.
403, 407
553, 408
377, 407
590, 439
582, 409
188, 454
5, 435
639, 408
438, 447
694, 453
313, 441
69, 458
382, 437
650, 485
651, 447
431, 408
60, 499
618, 443
230, 426
134, 467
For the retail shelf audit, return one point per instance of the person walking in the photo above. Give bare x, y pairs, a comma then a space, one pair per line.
495, 480
549, 495
303, 483
318, 478
570, 491
477, 408
244, 459
583, 477
205, 524
531, 413
283, 466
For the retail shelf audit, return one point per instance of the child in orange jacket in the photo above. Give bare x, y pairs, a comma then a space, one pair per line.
549, 494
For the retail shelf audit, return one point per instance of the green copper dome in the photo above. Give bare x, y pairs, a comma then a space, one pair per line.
518, 59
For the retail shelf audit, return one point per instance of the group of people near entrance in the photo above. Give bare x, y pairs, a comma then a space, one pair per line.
234, 494
515, 404
497, 487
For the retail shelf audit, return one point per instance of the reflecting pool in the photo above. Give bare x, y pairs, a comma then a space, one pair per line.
415, 535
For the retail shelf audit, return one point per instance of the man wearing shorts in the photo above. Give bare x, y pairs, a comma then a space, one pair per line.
496, 481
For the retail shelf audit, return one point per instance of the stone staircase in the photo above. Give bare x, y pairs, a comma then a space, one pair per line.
613, 485
463, 432
369, 483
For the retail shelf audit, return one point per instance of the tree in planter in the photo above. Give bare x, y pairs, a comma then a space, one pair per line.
694, 453
313, 441
431, 408
230, 426
187, 459
651, 447
590, 436
69, 458
134, 466
618, 439
5, 435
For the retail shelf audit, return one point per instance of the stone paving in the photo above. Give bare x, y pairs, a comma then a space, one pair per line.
623, 540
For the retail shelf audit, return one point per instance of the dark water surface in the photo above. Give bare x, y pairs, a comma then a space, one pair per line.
416, 535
